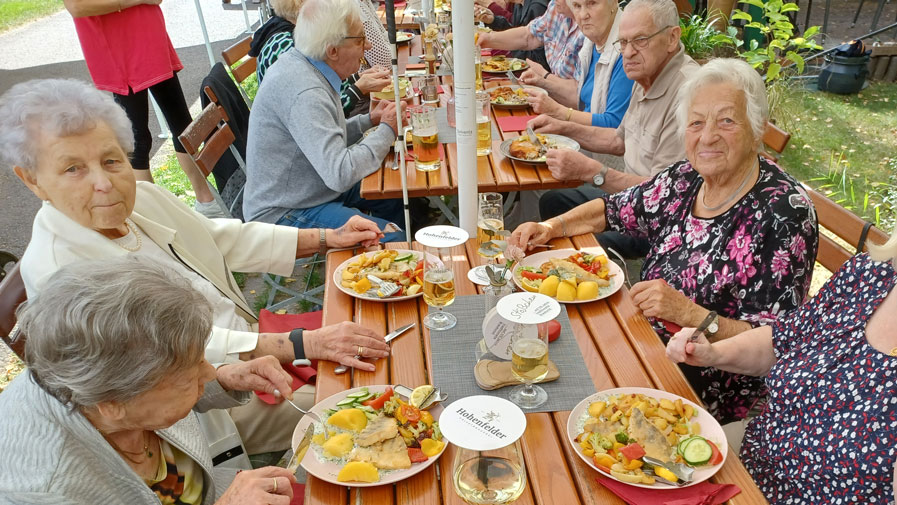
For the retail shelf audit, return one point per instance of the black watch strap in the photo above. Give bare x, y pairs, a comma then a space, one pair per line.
298, 346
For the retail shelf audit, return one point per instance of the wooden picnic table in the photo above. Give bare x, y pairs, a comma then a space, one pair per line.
494, 172
618, 346
403, 21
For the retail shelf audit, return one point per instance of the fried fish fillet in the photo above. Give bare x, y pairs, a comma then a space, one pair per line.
391, 454
377, 430
648, 436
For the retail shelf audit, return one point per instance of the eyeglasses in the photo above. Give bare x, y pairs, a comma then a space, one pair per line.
363, 37
637, 44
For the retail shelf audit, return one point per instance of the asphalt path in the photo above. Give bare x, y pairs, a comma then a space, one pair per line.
49, 48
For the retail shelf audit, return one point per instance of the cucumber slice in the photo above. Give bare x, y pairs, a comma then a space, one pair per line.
367, 409
404, 257
344, 402
360, 399
697, 452
684, 442
358, 394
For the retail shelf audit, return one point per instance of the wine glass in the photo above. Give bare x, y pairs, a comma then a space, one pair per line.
439, 288
491, 476
490, 221
529, 364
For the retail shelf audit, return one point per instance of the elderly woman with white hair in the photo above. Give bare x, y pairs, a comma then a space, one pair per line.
829, 432
88, 423
68, 143
733, 237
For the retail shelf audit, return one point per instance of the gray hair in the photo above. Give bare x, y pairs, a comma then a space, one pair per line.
663, 12
323, 24
886, 251
739, 74
60, 107
110, 330
287, 9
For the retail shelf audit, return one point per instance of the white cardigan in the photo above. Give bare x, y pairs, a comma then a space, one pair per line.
213, 248
604, 67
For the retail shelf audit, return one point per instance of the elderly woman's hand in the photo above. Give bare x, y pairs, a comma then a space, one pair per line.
373, 79
342, 342
656, 298
530, 234
270, 485
260, 374
544, 104
357, 230
567, 165
697, 353
534, 74
546, 124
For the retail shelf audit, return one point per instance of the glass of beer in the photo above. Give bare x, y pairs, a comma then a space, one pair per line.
529, 364
478, 65
425, 138
490, 220
439, 288
484, 125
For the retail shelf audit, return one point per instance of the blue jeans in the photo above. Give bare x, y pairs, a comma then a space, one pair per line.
558, 201
335, 213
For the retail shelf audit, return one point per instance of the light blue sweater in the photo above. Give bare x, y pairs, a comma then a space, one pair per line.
301, 150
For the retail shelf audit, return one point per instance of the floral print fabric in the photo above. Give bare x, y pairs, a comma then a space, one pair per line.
751, 263
829, 431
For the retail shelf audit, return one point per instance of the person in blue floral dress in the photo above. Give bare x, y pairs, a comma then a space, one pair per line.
729, 231
828, 433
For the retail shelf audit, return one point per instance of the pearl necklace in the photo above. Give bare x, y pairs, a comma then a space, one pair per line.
131, 226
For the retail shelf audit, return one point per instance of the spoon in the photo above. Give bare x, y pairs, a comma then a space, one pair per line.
312, 415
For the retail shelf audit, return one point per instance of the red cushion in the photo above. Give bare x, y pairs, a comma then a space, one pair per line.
270, 322
298, 494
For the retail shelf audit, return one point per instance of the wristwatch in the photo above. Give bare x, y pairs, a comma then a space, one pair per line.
713, 326
598, 179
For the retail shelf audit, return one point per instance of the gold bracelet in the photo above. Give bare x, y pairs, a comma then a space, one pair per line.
569, 113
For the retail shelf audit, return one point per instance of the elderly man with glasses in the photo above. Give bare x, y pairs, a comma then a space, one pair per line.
647, 139
305, 160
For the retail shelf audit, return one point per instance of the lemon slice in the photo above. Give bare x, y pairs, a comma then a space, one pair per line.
419, 395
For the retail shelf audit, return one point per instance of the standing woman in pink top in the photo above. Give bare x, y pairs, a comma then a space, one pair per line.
128, 52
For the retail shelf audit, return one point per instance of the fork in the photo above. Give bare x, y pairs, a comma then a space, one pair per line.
385, 289
312, 415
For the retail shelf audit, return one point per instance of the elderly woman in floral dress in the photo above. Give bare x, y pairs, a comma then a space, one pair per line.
730, 232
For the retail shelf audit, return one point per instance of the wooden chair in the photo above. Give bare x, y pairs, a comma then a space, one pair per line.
845, 225
775, 139
12, 294
241, 65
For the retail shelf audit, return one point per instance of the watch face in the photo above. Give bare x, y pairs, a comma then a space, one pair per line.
598, 179
713, 328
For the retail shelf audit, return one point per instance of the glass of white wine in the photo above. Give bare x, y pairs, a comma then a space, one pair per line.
529, 364
439, 288
492, 476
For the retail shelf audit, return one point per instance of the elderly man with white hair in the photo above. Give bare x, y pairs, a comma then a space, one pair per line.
305, 161
647, 139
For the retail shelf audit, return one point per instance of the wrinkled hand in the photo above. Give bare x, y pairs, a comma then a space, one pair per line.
260, 374
533, 74
568, 165
656, 298
483, 14
373, 79
385, 112
484, 39
697, 353
357, 230
544, 104
546, 124
256, 487
530, 234
340, 342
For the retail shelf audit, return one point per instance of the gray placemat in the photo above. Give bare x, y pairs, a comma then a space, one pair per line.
454, 357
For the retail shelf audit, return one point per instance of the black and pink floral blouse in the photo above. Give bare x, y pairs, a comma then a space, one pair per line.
751, 263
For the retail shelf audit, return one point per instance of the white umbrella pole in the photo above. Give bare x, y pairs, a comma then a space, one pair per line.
465, 113
205, 33
400, 145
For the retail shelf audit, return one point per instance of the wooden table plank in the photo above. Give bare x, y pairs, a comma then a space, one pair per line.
549, 477
590, 491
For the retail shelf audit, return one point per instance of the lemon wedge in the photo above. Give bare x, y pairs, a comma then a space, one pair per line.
419, 394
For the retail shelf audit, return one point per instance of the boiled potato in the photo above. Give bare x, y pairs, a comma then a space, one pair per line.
596, 408
358, 471
587, 290
566, 292
349, 419
549, 286
338, 445
571, 280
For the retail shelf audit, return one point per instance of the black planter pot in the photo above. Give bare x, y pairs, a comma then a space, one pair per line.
844, 74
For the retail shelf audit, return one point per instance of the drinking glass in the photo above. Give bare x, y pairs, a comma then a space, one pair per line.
429, 90
425, 138
478, 66
487, 477
490, 219
439, 288
484, 125
529, 364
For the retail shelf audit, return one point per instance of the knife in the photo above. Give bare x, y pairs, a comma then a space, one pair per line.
514, 80
535, 140
301, 449
388, 338
702, 327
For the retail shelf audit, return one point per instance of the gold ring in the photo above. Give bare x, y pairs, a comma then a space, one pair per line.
275, 485
360, 350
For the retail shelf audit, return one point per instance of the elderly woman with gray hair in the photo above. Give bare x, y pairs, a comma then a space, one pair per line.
829, 432
733, 237
88, 422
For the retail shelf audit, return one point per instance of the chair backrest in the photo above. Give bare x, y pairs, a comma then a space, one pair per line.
846, 226
776, 139
12, 294
207, 137
237, 58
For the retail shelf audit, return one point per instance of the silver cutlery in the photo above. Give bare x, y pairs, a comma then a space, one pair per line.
388, 338
310, 414
385, 289
683, 472
301, 449
435, 396
514, 80
535, 140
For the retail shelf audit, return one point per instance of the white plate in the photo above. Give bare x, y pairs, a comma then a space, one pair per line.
371, 294
327, 469
478, 275
535, 260
403, 37
561, 142
514, 106
710, 429
512, 60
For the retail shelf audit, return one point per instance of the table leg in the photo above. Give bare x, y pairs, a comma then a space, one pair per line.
447, 213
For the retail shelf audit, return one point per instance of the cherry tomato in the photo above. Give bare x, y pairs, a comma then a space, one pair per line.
377, 403
554, 330
410, 413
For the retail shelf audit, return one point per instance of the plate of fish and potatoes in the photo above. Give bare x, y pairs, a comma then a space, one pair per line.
570, 275
615, 431
512, 97
374, 437
403, 267
522, 149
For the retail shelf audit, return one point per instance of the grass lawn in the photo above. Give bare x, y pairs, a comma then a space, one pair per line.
16, 12
846, 146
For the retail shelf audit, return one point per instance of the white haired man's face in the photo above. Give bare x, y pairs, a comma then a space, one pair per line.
345, 58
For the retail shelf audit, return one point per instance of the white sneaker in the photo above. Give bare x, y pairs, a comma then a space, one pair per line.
211, 210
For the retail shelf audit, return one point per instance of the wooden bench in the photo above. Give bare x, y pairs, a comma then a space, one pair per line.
845, 225
776, 139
